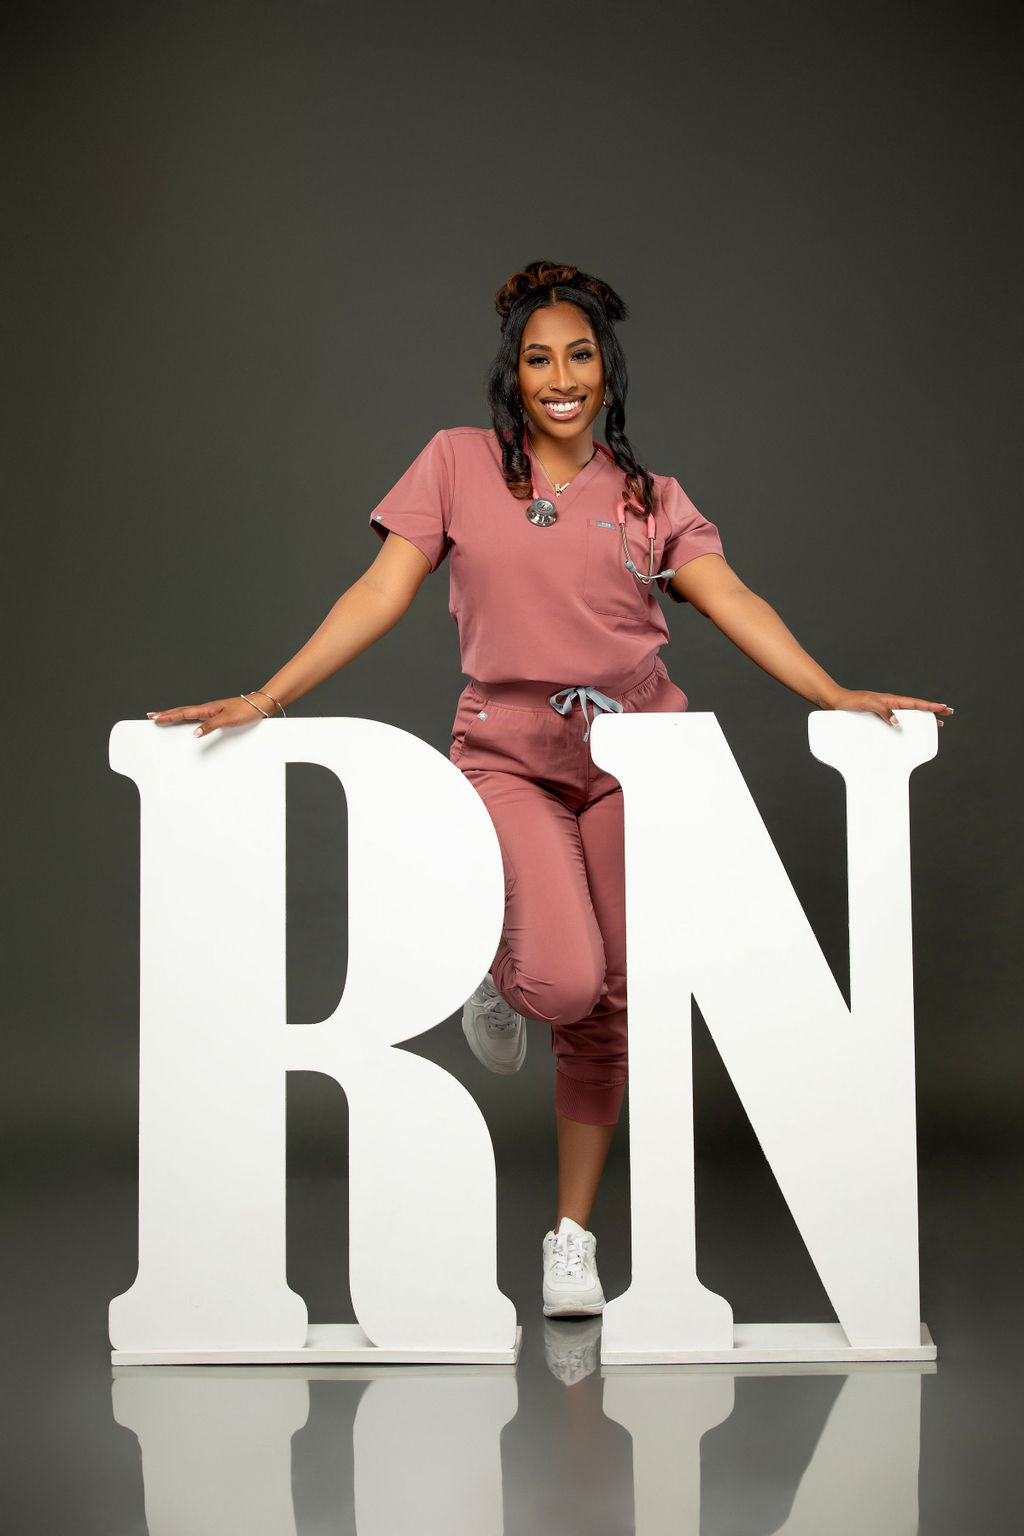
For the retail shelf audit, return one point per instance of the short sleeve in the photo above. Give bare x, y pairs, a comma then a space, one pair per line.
689, 535
419, 506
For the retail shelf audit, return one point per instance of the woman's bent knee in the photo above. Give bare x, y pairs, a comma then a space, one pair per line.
562, 1000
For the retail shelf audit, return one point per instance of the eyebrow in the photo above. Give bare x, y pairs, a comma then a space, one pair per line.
538, 346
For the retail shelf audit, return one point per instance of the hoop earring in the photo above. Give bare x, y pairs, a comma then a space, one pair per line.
607, 399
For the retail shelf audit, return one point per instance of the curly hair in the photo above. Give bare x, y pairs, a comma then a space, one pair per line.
545, 283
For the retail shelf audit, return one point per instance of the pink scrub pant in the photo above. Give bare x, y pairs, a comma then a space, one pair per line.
559, 823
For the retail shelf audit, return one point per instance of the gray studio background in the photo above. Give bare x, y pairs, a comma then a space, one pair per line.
252, 252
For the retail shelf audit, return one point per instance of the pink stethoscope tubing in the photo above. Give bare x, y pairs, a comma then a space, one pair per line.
652, 575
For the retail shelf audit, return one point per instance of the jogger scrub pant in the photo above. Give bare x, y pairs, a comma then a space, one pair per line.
559, 823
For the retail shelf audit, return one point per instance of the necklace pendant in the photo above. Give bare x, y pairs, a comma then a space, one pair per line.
542, 513
560, 488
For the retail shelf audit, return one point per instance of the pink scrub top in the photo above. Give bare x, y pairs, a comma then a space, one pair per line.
541, 604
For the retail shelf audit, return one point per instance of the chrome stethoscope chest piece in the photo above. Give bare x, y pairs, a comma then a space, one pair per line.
542, 513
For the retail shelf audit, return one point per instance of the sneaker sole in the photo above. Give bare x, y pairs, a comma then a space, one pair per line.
573, 1309
502, 1068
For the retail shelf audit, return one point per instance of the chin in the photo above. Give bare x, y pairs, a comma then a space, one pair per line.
556, 428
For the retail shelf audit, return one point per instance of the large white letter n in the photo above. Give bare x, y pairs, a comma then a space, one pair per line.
424, 920
829, 1090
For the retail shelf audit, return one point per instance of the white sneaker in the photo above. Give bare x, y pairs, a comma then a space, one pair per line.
571, 1285
496, 1033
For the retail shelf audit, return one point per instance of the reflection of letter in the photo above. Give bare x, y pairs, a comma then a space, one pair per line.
861, 1477
829, 1093
427, 1454
424, 921
216, 1449
666, 1417
863, 1474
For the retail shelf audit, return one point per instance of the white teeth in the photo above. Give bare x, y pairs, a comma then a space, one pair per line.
562, 408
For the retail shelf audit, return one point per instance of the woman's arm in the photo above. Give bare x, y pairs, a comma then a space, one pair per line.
368, 609
749, 622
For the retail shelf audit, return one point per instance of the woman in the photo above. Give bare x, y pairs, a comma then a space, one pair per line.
555, 546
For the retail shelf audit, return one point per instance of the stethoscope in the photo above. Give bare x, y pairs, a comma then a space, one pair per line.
543, 513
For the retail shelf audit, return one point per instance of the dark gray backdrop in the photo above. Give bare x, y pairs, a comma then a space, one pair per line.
253, 248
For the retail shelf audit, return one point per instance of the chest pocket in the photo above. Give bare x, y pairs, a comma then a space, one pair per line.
608, 588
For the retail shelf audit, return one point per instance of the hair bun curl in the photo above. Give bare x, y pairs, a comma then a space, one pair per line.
551, 274
614, 307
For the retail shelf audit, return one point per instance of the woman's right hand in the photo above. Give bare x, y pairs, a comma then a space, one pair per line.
213, 716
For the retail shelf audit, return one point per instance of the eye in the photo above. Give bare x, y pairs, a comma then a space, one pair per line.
583, 357
535, 359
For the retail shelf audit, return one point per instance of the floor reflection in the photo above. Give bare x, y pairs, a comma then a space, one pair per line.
572, 1347
382, 1452
216, 1448
797, 1454
217, 1453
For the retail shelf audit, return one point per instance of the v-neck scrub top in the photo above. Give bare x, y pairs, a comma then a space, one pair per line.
539, 603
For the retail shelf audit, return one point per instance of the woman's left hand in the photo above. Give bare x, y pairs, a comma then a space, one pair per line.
883, 704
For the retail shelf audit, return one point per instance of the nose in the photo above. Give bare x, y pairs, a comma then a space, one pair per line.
564, 381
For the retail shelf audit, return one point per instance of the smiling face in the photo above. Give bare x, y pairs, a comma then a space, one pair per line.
561, 377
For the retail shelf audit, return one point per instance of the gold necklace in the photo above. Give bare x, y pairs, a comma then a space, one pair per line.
558, 489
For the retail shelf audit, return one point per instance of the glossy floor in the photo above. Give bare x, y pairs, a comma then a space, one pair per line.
553, 1445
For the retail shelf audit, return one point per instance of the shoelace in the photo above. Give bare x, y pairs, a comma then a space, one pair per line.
568, 1255
501, 1016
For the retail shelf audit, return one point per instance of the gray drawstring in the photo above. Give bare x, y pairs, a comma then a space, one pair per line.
598, 700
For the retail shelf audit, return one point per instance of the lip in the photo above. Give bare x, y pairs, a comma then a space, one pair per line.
562, 415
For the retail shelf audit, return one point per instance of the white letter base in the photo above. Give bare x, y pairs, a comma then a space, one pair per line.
326, 1344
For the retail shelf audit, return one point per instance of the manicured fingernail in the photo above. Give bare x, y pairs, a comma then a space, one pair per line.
198, 731
893, 720
152, 714
951, 710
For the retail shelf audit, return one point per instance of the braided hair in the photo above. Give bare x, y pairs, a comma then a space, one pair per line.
546, 283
